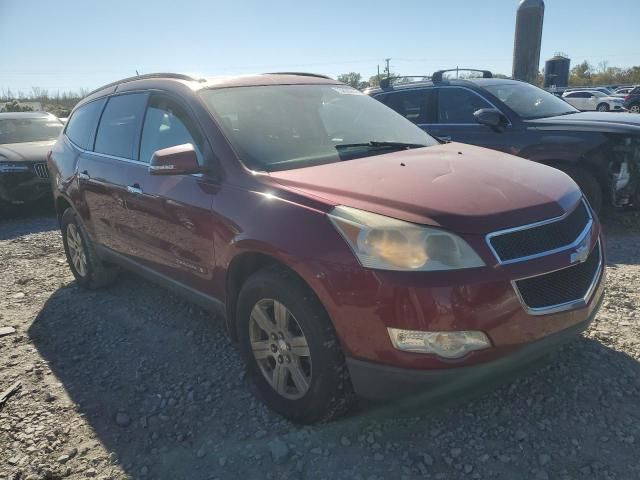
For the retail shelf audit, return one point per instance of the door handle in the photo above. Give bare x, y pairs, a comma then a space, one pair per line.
84, 175
135, 189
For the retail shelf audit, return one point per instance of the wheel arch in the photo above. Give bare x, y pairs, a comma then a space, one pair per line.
240, 269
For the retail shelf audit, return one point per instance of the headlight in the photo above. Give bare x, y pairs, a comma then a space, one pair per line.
443, 344
389, 244
8, 167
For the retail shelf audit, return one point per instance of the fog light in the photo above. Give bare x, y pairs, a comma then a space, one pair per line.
443, 344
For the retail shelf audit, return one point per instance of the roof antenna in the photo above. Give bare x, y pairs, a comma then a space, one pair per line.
137, 73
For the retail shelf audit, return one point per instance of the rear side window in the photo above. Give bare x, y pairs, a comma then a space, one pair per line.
456, 105
167, 124
414, 105
82, 123
119, 127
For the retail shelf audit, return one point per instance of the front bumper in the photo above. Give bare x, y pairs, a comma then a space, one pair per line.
25, 187
383, 382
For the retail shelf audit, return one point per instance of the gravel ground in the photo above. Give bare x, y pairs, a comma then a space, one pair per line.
133, 382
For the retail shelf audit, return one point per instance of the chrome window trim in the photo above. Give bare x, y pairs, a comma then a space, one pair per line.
121, 159
562, 307
575, 243
104, 155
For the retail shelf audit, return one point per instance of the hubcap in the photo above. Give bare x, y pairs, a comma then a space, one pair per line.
280, 348
635, 109
76, 250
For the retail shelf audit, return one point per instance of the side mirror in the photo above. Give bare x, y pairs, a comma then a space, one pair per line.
490, 117
177, 160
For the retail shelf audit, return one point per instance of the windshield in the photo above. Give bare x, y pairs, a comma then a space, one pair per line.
281, 127
529, 101
22, 130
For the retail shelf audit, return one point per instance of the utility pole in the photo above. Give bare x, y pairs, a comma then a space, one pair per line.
387, 60
378, 74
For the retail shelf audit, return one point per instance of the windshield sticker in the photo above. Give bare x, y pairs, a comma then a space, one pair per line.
347, 91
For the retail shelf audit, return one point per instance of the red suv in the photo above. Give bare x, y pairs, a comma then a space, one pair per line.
347, 249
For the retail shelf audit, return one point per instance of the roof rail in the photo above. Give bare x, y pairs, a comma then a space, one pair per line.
386, 81
177, 76
302, 74
437, 76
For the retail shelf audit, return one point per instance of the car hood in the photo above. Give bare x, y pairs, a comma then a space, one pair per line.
26, 152
459, 187
594, 121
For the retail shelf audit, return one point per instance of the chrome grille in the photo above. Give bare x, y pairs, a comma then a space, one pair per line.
41, 170
563, 289
541, 238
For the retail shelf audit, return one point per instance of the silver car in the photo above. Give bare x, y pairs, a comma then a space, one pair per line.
593, 100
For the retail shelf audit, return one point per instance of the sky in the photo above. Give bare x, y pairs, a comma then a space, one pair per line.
73, 44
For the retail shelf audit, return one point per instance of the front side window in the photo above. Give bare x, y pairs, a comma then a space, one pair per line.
120, 126
528, 101
457, 105
280, 127
166, 124
82, 123
29, 129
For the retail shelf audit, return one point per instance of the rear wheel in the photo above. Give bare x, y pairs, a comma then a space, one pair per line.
588, 184
291, 350
603, 107
635, 108
87, 268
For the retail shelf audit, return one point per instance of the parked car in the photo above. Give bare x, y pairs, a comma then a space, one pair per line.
590, 100
346, 249
600, 151
605, 90
623, 91
632, 100
25, 139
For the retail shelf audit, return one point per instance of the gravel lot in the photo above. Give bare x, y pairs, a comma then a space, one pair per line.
133, 382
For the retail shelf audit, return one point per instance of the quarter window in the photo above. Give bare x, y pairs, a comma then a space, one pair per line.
457, 105
166, 124
120, 126
82, 124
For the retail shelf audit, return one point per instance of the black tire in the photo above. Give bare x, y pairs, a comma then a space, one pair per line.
588, 184
603, 107
634, 108
329, 393
97, 274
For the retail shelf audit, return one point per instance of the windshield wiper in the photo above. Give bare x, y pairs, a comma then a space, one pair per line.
377, 144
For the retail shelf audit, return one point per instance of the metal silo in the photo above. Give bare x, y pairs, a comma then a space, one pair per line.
526, 45
556, 71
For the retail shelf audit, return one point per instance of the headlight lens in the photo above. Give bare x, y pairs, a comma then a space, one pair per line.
389, 244
8, 167
443, 344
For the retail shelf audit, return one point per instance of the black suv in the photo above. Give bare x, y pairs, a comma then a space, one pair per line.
632, 100
600, 151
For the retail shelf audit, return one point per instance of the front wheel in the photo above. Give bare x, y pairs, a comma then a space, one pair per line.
635, 108
291, 350
603, 107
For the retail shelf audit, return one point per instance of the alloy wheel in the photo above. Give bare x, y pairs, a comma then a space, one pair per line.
76, 250
635, 109
280, 349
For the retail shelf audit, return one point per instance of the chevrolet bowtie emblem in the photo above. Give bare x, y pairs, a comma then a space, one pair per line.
580, 254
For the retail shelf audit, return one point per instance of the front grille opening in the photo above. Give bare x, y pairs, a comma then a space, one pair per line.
543, 238
562, 286
41, 170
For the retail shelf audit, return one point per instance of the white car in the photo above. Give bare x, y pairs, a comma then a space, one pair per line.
593, 100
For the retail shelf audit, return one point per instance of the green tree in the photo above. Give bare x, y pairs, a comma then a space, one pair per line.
353, 79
